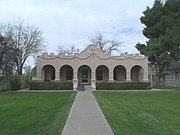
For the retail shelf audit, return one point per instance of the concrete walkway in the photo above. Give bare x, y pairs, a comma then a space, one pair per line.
86, 118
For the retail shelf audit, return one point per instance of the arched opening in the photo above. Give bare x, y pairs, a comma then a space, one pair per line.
137, 74
48, 73
102, 73
119, 73
84, 74
66, 73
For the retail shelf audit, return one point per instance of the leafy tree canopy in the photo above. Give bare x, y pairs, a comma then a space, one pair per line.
162, 29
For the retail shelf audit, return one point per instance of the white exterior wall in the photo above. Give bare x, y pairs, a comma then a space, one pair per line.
172, 78
92, 57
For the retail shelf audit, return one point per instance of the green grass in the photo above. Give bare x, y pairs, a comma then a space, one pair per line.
141, 113
34, 113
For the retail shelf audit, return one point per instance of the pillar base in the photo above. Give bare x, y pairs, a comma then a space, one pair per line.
110, 81
75, 84
56, 80
93, 84
39, 80
145, 80
128, 80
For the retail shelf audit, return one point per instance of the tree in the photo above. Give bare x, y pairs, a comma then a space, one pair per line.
7, 64
106, 44
68, 51
28, 40
34, 71
27, 70
162, 29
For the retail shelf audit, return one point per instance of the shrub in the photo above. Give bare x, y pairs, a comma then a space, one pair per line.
122, 85
2, 78
25, 82
50, 85
15, 83
2, 86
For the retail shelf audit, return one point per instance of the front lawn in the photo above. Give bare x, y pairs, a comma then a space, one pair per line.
141, 113
34, 113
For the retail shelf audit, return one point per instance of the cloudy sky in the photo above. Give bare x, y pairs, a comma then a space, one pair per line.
73, 22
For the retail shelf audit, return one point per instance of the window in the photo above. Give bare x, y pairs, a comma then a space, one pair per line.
69, 74
99, 74
52, 74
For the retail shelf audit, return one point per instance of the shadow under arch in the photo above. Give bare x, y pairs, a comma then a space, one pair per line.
102, 73
119, 73
84, 74
137, 73
48, 73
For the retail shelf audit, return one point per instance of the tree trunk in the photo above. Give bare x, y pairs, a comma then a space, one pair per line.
20, 70
157, 76
161, 69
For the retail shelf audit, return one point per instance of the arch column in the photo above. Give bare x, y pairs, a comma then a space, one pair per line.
75, 80
39, 76
128, 76
39, 73
111, 76
57, 73
145, 77
42, 75
93, 79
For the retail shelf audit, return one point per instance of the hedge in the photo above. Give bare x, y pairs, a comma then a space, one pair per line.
15, 83
50, 85
122, 85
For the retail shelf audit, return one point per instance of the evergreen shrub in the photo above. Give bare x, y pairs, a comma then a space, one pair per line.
122, 85
33, 85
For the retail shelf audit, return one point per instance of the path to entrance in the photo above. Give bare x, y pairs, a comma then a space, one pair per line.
86, 117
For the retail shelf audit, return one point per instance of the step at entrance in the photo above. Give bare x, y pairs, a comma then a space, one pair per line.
88, 87
81, 87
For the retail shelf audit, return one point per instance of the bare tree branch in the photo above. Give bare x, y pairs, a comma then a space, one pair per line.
105, 44
68, 51
28, 40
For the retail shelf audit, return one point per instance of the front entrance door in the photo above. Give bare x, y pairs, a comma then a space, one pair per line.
85, 76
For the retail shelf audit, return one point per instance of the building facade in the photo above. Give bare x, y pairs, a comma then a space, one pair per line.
92, 65
171, 75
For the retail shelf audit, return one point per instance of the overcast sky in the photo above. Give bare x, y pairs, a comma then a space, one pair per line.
73, 22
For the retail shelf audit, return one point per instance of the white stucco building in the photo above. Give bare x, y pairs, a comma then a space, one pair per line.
92, 65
